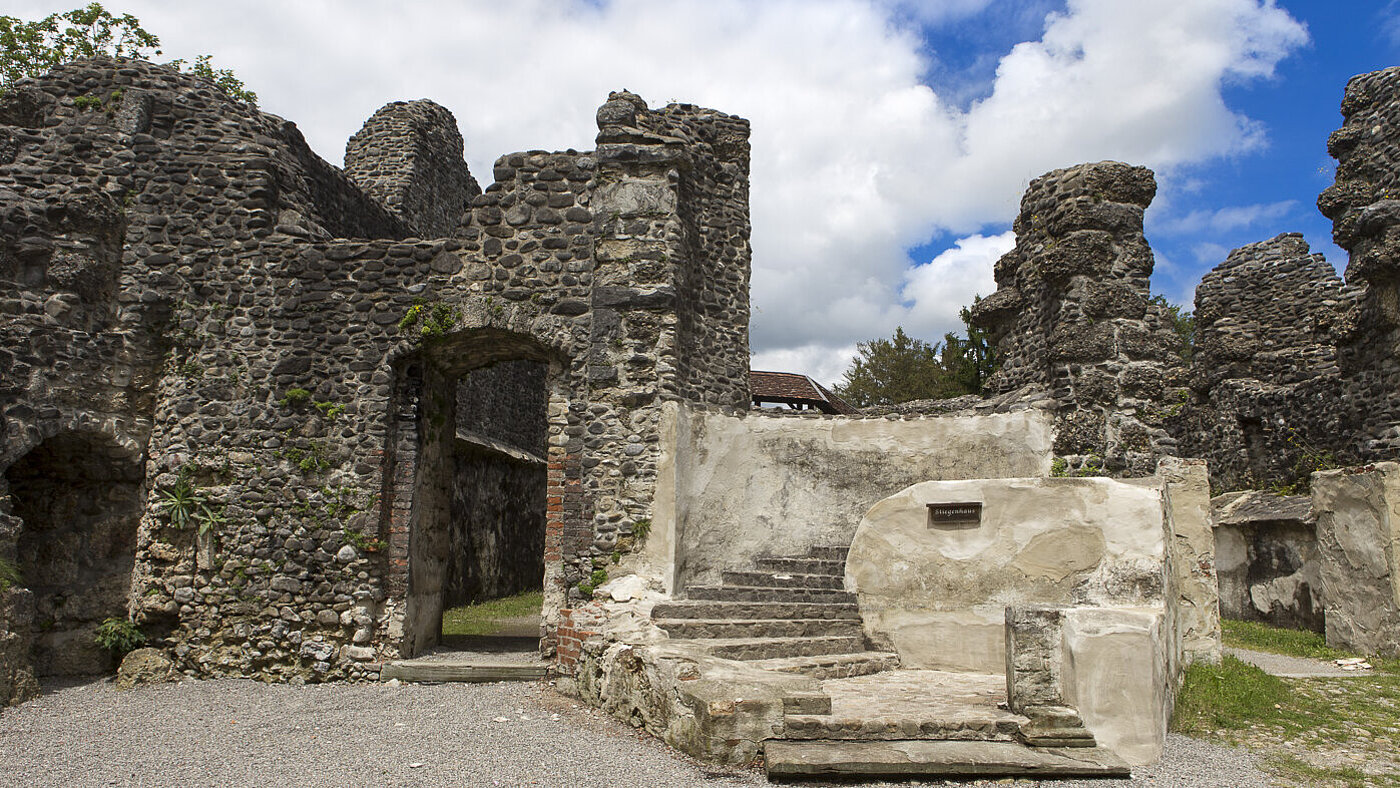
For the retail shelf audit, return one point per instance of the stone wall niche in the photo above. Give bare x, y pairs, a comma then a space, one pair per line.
79, 499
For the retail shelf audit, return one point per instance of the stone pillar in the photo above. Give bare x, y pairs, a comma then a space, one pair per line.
1358, 539
1071, 316
1035, 656
1193, 593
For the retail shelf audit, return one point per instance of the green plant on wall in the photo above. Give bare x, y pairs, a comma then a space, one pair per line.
429, 320
363, 542
9, 574
293, 397
119, 637
184, 503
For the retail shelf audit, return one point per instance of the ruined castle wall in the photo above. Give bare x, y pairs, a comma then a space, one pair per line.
408, 156
498, 526
1264, 381
1364, 206
193, 293
1071, 316
747, 485
712, 291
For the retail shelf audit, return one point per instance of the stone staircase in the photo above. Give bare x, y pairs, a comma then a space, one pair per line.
792, 614
789, 614
930, 724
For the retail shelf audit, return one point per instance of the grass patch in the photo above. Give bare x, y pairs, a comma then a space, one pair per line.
1233, 695
487, 618
1309, 774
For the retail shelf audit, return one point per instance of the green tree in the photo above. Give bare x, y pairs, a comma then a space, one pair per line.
901, 368
28, 49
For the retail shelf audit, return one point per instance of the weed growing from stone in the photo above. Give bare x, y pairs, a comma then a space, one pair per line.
119, 637
9, 575
293, 397
431, 321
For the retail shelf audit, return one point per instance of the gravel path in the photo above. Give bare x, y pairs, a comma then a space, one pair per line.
232, 733
1294, 667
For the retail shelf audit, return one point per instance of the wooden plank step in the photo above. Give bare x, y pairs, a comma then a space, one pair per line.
794, 760
461, 670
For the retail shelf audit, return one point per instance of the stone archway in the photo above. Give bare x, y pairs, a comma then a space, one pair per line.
79, 497
470, 479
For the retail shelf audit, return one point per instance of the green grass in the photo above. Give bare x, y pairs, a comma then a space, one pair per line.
1307, 732
1347, 776
1233, 695
486, 618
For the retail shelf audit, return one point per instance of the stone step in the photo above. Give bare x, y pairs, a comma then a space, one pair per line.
704, 608
749, 649
769, 594
935, 759
783, 580
833, 666
801, 565
964, 727
460, 670
830, 553
759, 628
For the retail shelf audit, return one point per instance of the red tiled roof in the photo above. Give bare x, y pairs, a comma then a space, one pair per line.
795, 389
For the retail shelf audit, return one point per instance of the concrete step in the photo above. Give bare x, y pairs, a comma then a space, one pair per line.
833, 666
703, 608
801, 565
935, 759
759, 628
783, 580
460, 670
749, 649
769, 594
964, 727
830, 553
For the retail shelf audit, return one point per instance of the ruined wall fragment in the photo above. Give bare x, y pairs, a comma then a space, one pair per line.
1071, 315
1265, 387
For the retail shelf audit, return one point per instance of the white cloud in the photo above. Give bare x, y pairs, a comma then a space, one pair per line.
855, 160
936, 291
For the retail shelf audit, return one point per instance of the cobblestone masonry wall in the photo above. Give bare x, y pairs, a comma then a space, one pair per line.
1364, 206
1071, 316
182, 277
409, 157
1264, 382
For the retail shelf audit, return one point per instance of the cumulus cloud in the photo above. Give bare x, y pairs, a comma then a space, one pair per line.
855, 158
931, 291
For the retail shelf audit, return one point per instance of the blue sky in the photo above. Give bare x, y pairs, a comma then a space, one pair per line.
891, 138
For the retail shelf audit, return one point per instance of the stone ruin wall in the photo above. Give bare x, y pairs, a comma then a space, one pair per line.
1291, 367
409, 157
1264, 382
176, 263
1071, 317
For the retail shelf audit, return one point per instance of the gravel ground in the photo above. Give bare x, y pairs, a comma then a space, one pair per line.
1295, 667
242, 733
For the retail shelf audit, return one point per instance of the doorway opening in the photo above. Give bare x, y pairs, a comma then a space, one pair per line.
472, 478
79, 496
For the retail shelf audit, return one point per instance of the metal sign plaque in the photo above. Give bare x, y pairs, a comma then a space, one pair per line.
955, 515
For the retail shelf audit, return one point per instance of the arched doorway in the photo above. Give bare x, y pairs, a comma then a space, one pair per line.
471, 474
79, 497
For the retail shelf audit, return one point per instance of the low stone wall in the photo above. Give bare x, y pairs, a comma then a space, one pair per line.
1267, 559
731, 487
1358, 539
938, 593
